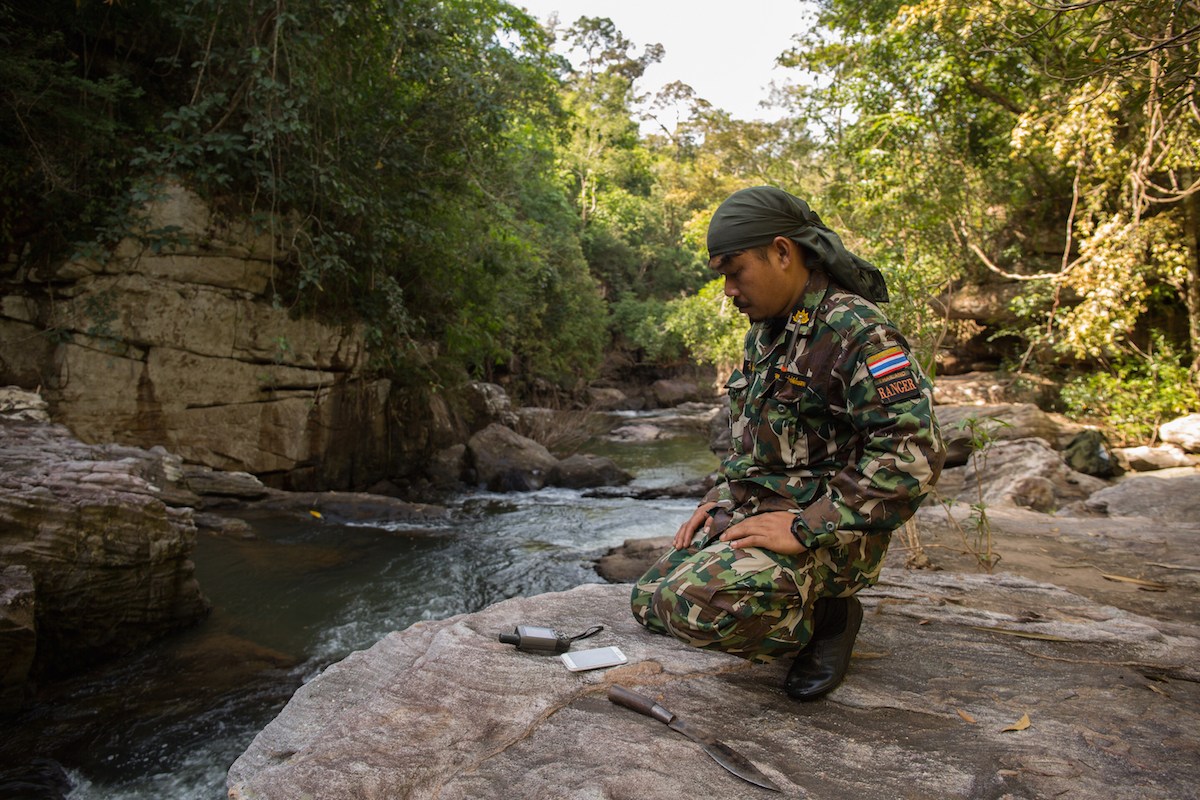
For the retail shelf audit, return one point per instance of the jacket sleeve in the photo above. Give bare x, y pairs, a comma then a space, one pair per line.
896, 452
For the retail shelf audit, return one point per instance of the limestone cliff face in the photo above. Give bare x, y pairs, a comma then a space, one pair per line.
185, 349
88, 545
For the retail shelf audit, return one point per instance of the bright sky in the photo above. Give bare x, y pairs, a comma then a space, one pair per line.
724, 50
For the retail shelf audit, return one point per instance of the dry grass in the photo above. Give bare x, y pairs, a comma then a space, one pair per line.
914, 551
561, 432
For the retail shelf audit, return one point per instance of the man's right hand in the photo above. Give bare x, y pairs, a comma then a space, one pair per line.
687, 531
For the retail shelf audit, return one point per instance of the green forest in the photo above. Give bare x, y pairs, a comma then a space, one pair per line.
440, 173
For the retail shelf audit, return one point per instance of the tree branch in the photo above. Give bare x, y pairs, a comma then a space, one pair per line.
988, 93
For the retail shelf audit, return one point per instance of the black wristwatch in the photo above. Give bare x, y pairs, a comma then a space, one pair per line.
798, 530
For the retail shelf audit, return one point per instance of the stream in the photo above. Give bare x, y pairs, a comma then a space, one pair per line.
305, 593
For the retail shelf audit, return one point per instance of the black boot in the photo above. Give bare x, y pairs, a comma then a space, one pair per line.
823, 663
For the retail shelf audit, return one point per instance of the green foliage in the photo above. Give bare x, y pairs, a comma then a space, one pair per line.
432, 172
981, 436
709, 326
704, 327
1135, 395
643, 204
628, 221
402, 152
63, 128
978, 536
641, 324
1015, 138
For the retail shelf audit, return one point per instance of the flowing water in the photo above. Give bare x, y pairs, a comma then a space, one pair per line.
305, 593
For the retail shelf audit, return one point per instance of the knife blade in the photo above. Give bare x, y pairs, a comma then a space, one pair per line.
720, 752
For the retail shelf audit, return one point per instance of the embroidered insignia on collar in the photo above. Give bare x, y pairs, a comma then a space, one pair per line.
887, 362
801, 317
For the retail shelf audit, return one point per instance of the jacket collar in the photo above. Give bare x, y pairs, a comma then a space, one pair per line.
800, 320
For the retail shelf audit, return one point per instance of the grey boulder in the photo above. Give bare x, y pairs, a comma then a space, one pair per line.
583, 470
1184, 431
507, 461
1023, 473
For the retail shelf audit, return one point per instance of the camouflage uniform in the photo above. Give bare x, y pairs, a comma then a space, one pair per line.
831, 420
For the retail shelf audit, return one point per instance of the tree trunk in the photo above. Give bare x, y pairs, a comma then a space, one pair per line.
1192, 239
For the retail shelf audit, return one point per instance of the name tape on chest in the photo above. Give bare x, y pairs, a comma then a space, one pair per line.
799, 381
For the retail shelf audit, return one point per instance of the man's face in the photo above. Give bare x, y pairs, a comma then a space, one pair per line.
758, 285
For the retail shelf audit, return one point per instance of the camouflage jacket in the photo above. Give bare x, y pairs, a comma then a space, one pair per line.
831, 419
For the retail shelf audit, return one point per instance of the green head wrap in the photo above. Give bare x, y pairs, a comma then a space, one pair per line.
754, 217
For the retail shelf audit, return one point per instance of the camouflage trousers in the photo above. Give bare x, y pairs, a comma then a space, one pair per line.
750, 602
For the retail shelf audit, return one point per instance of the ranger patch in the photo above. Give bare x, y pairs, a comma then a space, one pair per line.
887, 362
898, 386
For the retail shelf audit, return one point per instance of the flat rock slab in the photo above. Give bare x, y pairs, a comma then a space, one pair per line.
347, 506
944, 664
1142, 566
1174, 499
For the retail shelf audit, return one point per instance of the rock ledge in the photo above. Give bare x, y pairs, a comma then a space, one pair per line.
944, 664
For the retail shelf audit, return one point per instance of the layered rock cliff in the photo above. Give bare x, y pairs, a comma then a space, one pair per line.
94, 562
185, 348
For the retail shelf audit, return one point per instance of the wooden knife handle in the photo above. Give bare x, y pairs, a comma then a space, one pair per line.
630, 699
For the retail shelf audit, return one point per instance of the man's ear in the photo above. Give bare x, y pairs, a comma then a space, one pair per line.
787, 250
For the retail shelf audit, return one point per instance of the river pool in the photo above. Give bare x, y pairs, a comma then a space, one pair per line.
302, 595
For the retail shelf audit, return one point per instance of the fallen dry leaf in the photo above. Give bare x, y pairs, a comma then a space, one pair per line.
1138, 581
316, 514
965, 716
1019, 725
1043, 636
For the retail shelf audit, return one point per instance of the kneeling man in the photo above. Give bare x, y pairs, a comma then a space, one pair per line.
834, 445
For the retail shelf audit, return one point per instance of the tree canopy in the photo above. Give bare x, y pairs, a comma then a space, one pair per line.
439, 174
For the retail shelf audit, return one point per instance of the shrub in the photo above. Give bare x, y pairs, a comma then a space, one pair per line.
1134, 396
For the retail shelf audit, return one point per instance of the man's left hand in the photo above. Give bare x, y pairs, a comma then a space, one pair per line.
771, 531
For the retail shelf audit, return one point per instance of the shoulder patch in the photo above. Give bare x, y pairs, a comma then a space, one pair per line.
887, 362
897, 386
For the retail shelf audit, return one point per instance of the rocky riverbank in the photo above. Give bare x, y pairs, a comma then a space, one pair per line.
96, 540
962, 685
1070, 671
95, 563
187, 348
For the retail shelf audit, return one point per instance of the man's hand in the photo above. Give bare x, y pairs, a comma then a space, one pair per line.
687, 531
771, 531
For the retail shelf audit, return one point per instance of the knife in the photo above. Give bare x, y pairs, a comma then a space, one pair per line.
720, 752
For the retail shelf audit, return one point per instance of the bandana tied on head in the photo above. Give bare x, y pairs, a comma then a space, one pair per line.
754, 217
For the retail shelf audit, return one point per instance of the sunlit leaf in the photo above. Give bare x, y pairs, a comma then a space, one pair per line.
1019, 725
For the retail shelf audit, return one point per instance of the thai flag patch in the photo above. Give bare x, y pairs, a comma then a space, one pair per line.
887, 362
